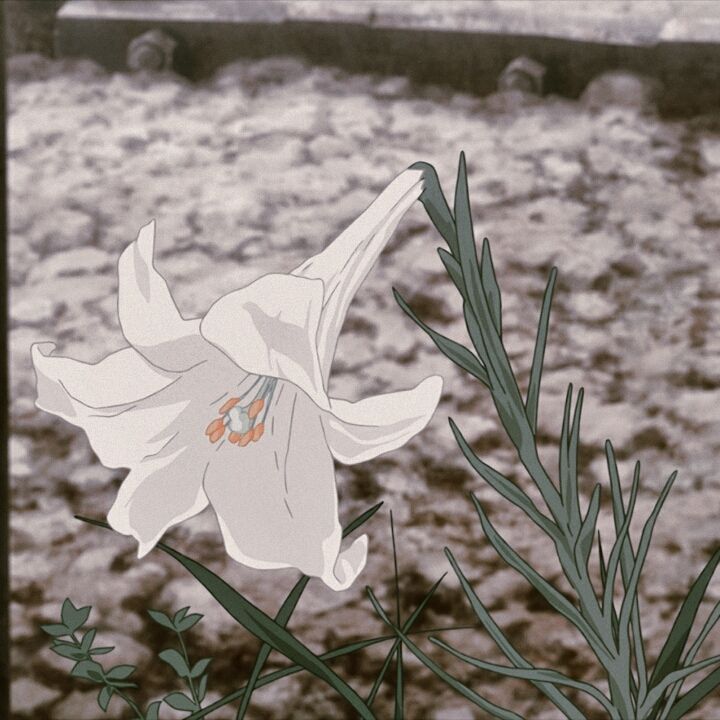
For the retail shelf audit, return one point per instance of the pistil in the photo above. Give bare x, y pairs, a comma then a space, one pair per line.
241, 419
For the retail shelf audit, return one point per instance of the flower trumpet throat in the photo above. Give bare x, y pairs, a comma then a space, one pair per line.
243, 422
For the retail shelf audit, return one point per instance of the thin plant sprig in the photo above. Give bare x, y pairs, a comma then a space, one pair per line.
611, 627
194, 675
113, 682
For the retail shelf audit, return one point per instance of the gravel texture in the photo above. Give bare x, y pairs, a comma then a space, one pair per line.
253, 172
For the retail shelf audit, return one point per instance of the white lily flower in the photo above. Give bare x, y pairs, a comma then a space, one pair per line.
232, 409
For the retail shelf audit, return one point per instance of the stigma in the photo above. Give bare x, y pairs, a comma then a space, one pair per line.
244, 416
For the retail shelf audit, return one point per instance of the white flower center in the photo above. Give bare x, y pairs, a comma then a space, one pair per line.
244, 415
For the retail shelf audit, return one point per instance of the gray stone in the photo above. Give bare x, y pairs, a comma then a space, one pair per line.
622, 89
62, 229
91, 478
94, 562
81, 705
453, 712
127, 650
152, 51
524, 74
27, 696
71, 263
20, 462
37, 310
20, 628
592, 307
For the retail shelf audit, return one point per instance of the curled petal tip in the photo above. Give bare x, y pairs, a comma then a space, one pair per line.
144, 548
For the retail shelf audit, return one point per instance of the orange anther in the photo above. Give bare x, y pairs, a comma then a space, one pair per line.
258, 431
214, 426
234, 437
245, 439
229, 405
217, 434
255, 407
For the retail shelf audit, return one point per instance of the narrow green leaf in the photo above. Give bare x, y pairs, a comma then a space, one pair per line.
153, 710
506, 393
627, 561
533, 393
120, 672
436, 206
73, 617
503, 486
407, 626
180, 614
360, 520
583, 544
548, 591
200, 667
669, 658
569, 710
490, 286
614, 559
452, 266
399, 690
176, 661
467, 252
56, 630
180, 701
695, 696
601, 560
88, 670
707, 628
186, 623
459, 687
657, 691
568, 482
202, 687
104, 697
102, 650
456, 352
535, 675
572, 451
69, 651
88, 639
643, 547
161, 619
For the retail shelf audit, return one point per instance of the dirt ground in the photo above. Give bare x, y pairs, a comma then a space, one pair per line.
253, 172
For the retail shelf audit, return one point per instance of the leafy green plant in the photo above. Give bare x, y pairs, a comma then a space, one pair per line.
194, 674
114, 681
612, 628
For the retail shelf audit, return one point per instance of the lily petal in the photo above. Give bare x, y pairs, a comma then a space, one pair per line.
269, 328
159, 493
150, 320
122, 402
345, 263
276, 499
359, 431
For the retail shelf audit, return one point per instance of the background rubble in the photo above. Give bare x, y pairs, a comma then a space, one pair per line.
259, 168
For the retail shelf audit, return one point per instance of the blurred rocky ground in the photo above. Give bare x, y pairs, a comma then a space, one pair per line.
253, 172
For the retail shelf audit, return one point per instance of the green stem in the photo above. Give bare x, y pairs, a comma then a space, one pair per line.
120, 693
190, 682
132, 705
